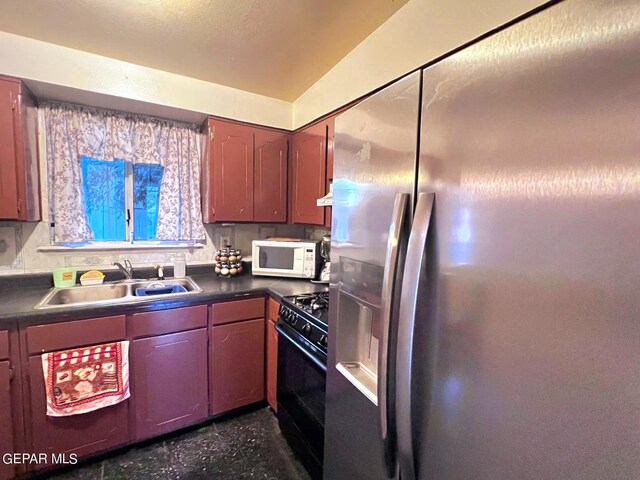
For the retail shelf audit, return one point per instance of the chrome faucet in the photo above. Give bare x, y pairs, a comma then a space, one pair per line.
127, 270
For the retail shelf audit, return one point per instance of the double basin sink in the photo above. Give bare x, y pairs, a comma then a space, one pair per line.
123, 291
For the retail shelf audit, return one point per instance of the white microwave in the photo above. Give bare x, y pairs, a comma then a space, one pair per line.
286, 258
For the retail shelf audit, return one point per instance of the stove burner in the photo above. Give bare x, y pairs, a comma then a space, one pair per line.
304, 319
313, 302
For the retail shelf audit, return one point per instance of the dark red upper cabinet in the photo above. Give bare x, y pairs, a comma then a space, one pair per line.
308, 170
231, 165
6, 432
270, 176
331, 134
19, 177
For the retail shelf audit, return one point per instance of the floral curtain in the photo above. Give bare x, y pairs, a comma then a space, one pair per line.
73, 131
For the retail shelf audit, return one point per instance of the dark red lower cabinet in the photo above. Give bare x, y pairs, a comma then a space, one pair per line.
272, 364
169, 382
236, 365
82, 434
6, 426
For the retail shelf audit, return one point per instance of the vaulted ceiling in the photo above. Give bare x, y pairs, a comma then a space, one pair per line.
277, 48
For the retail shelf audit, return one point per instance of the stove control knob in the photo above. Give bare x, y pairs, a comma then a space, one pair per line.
306, 329
292, 318
323, 341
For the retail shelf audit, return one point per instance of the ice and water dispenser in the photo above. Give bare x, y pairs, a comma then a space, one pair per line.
359, 326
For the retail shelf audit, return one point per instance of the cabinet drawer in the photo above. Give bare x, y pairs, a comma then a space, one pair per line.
78, 333
4, 345
228, 312
166, 321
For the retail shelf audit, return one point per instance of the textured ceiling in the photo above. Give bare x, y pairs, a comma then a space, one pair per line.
277, 48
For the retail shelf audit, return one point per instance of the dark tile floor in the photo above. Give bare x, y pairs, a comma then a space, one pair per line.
245, 446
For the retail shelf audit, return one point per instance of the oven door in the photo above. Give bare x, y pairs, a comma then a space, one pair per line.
301, 399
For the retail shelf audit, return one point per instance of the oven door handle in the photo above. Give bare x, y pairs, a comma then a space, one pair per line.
295, 344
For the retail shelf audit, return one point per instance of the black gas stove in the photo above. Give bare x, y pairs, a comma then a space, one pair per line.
302, 367
306, 318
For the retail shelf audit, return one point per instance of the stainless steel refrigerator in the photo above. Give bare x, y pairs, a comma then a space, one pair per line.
485, 284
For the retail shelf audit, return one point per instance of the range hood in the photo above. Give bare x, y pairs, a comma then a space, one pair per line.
327, 200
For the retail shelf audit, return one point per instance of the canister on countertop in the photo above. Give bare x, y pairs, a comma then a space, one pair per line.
64, 277
179, 265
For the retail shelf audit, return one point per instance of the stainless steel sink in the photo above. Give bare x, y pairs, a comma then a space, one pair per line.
90, 293
123, 291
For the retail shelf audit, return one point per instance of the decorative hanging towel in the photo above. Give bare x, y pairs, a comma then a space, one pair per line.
86, 379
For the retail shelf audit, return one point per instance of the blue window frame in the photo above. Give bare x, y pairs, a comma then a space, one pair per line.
112, 189
146, 198
104, 194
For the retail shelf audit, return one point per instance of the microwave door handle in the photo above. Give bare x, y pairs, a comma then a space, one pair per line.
395, 242
415, 260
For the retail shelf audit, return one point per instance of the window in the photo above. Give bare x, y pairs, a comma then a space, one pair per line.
104, 194
146, 197
114, 189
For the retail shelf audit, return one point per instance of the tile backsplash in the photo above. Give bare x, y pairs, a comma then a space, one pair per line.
19, 244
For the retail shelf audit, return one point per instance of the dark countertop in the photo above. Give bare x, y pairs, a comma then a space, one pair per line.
16, 302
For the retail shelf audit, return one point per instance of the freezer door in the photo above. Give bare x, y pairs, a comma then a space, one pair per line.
374, 180
527, 352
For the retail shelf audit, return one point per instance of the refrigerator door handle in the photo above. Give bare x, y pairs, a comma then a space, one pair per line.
389, 293
406, 324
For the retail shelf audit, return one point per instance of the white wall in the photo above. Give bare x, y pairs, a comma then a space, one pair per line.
44, 62
419, 32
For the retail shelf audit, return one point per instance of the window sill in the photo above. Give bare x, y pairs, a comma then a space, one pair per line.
119, 247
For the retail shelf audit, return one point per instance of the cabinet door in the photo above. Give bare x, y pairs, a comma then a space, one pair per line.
272, 365
80, 434
330, 156
273, 310
308, 169
236, 365
9, 92
231, 155
169, 382
6, 423
27, 168
270, 176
